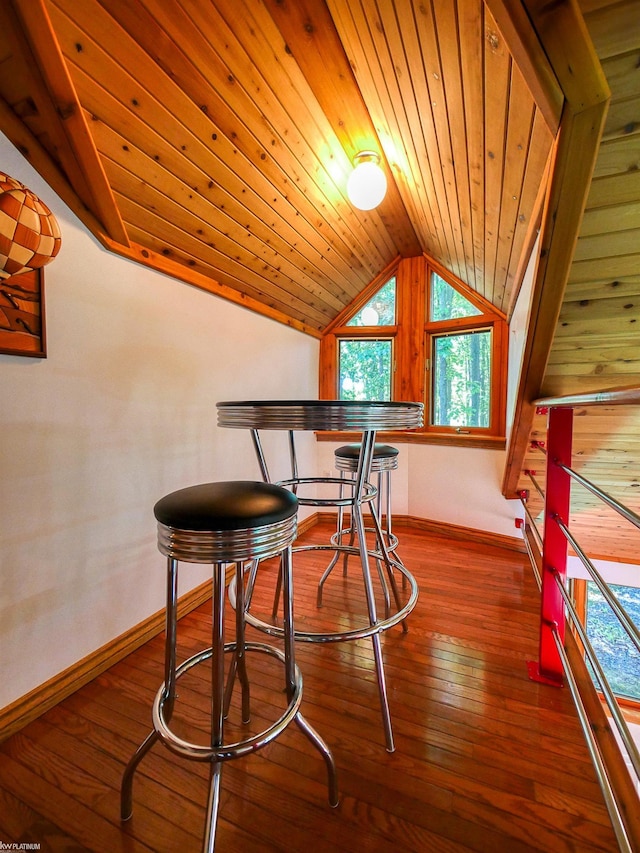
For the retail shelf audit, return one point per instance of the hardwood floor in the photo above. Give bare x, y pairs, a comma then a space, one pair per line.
485, 759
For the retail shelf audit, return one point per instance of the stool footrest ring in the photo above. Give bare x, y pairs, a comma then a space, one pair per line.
200, 752
339, 636
368, 494
392, 539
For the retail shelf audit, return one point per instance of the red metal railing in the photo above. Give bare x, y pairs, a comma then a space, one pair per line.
557, 608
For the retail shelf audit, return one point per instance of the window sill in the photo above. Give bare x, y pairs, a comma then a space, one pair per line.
486, 442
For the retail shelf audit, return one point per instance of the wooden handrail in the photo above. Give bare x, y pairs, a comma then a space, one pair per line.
561, 30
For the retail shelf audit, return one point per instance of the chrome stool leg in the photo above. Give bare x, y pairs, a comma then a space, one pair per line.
238, 664
336, 555
289, 651
375, 639
213, 806
171, 621
217, 699
385, 551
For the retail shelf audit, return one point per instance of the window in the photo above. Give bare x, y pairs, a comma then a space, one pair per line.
365, 364
461, 391
616, 653
446, 303
380, 310
420, 334
459, 360
365, 369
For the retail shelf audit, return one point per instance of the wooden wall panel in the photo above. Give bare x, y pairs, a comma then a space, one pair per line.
601, 305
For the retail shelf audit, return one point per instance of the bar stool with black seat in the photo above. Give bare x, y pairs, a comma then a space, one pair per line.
221, 523
384, 460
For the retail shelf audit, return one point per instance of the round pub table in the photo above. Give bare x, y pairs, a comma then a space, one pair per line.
367, 418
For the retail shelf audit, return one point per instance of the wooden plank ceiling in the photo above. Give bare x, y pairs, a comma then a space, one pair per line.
214, 140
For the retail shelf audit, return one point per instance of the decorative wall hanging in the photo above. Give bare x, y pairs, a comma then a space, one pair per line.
29, 233
29, 239
22, 328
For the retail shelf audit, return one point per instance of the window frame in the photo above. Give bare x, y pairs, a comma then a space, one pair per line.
412, 339
440, 328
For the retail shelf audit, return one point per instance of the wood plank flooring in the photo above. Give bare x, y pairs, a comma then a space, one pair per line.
485, 759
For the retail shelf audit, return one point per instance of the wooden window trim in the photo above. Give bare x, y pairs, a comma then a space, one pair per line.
499, 341
411, 338
385, 332
485, 442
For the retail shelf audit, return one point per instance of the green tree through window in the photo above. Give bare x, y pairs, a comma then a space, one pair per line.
422, 335
365, 369
616, 653
461, 379
447, 303
364, 364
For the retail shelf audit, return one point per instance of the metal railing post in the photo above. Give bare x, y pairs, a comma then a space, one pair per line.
549, 667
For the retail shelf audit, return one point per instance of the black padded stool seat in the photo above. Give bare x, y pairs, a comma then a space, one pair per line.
383, 460
220, 523
352, 451
225, 506
226, 522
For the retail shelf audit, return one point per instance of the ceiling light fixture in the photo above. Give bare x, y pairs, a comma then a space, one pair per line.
367, 184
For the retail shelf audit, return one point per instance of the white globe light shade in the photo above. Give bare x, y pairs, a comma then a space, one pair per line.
367, 185
369, 316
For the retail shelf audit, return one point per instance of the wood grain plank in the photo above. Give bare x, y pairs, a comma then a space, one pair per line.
65, 100
616, 242
310, 26
37, 113
604, 27
471, 21
451, 33
415, 123
519, 138
498, 70
601, 220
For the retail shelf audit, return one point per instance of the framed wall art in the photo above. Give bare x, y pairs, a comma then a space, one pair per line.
22, 326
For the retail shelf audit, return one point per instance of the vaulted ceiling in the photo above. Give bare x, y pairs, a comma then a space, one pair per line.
215, 139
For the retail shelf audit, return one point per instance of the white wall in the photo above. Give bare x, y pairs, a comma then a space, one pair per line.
121, 412
461, 486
